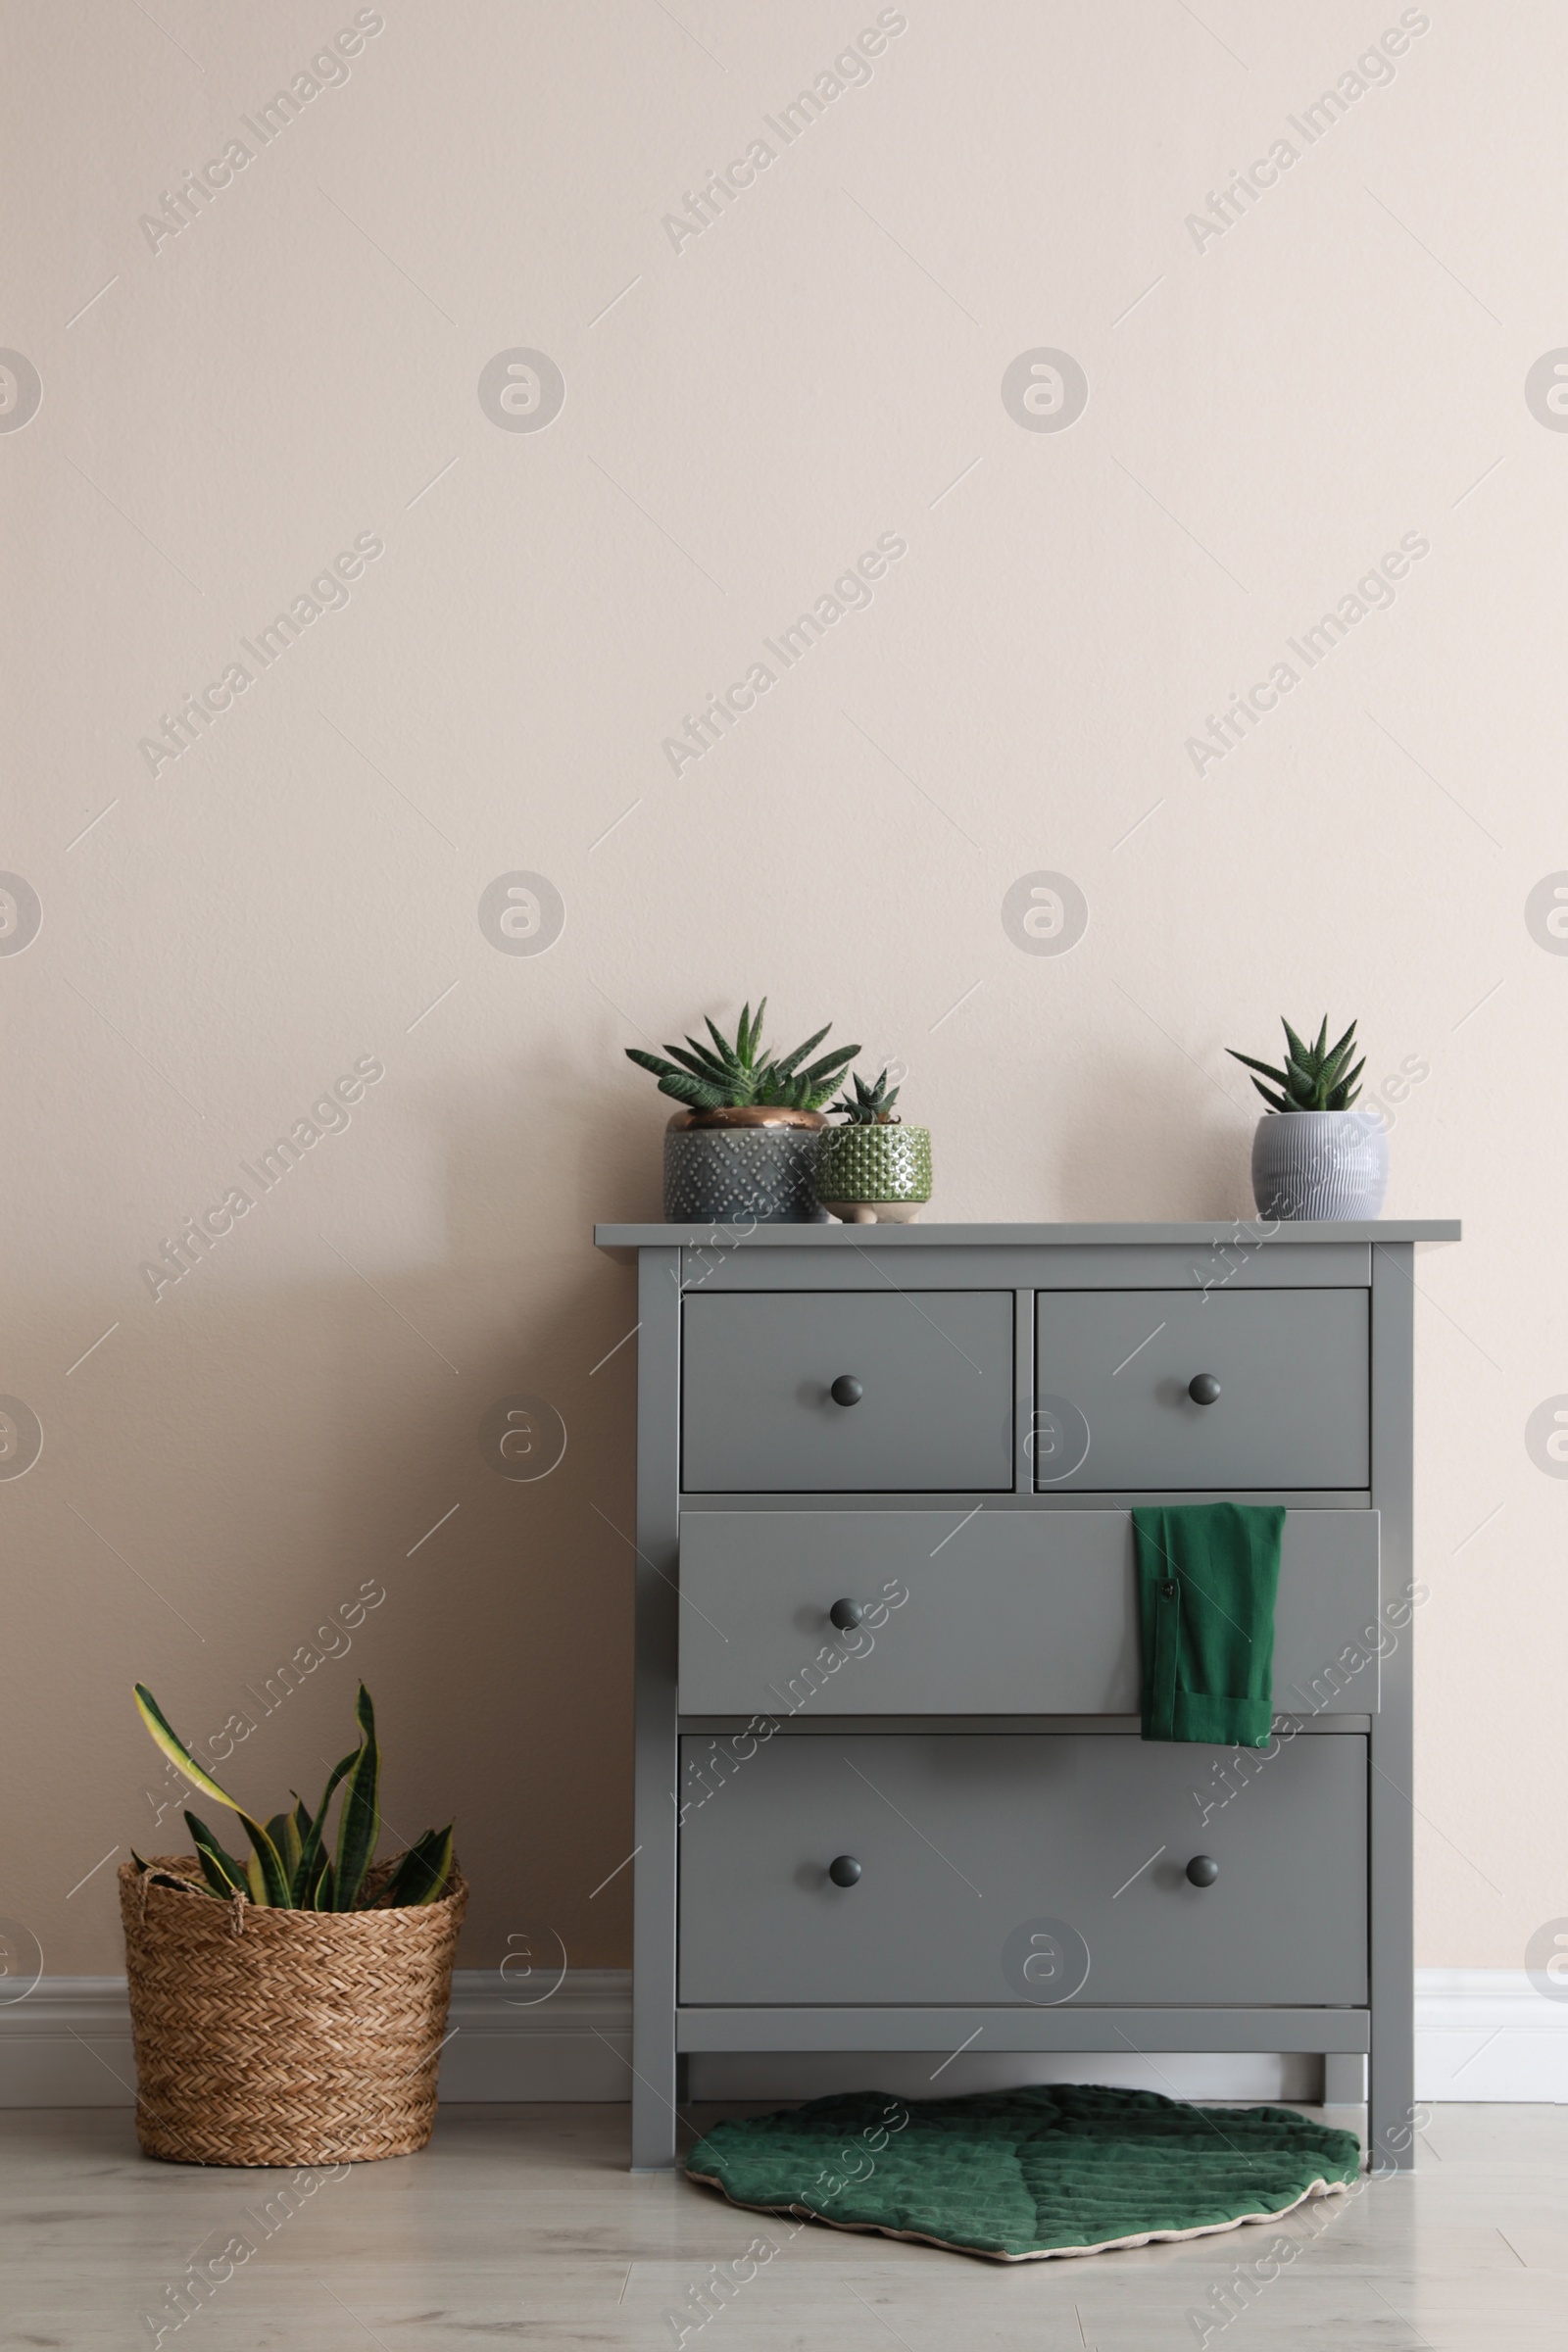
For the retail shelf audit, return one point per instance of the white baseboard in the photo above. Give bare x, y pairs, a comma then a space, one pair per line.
1482, 2034
572, 2044
68, 2044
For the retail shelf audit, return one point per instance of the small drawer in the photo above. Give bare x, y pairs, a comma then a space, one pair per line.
1114, 1408
981, 1858
929, 1375
1003, 1612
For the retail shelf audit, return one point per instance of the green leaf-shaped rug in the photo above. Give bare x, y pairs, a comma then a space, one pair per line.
1024, 2175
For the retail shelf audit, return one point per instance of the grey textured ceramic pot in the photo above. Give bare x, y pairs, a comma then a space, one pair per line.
1320, 1164
743, 1167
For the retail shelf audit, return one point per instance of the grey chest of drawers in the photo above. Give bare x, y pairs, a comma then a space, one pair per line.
890, 1792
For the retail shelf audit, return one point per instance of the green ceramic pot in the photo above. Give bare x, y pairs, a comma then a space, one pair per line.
875, 1174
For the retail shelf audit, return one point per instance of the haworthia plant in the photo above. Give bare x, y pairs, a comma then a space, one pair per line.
740, 1076
870, 1106
289, 1868
1317, 1077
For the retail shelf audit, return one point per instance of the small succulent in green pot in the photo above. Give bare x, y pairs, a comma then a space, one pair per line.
1313, 1156
743, 1151
874, 1169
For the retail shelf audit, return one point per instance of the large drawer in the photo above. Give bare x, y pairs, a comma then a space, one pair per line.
1008, 1612
988, 1863
1114, 1408
935, 1371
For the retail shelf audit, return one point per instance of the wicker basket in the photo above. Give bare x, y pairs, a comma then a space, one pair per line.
283, 2036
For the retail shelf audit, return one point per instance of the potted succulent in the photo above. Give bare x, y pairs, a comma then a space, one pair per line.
1312, 1154
289, 2008
744, 1148
874, 1169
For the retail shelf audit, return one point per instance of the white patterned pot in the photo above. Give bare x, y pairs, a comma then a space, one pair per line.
743, 1167
1328, 1164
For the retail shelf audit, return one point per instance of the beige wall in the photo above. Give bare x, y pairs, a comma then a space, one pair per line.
240, 1455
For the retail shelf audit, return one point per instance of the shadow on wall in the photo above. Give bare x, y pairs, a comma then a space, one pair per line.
544, 1159
339, 1433
1135, 1144
349, 1430
1120, 1143
516, 1646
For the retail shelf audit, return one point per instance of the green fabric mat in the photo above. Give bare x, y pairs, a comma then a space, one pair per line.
1023, 2174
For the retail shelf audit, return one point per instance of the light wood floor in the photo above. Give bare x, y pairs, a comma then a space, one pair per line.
520, 2227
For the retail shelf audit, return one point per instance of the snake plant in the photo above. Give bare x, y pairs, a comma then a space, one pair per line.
289, 1867
740, 1076
1315, 1077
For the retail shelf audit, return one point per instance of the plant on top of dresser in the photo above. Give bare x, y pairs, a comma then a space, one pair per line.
874, 1169
744, 1148
290, 2008
1323, 1159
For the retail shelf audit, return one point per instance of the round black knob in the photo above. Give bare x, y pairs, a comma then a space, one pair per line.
846, 1615
1204, 1388
844, 1871
1202, 1870
846, 1389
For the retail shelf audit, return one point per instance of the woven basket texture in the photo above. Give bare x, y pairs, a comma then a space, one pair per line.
283, 2036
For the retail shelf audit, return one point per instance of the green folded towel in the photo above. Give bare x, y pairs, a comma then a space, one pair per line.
1207, 1574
